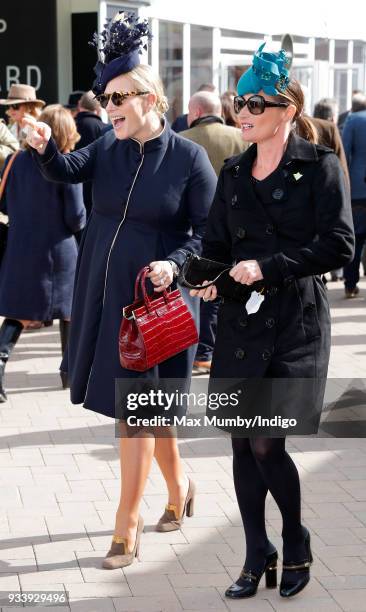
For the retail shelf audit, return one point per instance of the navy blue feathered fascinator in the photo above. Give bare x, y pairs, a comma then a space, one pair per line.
119, 47
269, 73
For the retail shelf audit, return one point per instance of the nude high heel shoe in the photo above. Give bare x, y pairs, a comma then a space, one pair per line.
170, 521
118, 555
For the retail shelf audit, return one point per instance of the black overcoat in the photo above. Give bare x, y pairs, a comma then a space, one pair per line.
309, 233
38, 269
150, 203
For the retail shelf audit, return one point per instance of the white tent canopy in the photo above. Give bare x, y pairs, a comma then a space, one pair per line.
319, 18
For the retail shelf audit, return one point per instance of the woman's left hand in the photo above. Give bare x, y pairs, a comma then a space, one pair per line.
246, 272
161, 274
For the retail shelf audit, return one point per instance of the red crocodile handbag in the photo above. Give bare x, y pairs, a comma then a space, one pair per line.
154, 328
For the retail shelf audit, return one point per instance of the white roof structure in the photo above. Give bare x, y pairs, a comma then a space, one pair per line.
318, 18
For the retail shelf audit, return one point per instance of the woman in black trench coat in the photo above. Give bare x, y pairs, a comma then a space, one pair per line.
151, 194
281, 217
38, 269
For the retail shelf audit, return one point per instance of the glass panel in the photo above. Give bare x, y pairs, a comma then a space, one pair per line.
171, 65
321, 49
341, 52
234, 74
358, 52
201, 56
340, 89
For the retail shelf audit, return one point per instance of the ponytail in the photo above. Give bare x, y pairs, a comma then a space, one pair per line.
306, 129
302, 124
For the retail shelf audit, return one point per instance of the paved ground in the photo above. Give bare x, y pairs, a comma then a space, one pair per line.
59, 488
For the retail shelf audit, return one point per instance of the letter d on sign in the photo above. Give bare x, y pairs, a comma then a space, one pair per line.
38, 76
3, 26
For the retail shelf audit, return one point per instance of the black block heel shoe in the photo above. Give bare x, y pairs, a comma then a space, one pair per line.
247, 583
295, 576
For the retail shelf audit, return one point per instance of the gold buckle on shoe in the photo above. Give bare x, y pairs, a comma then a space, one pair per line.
301, 566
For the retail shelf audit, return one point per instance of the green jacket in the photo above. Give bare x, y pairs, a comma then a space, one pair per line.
8, 143
220, 141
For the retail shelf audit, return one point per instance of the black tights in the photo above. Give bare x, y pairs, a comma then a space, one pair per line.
261, 465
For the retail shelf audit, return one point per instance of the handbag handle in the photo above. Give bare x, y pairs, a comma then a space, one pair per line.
6, 172
141, 283
187, 284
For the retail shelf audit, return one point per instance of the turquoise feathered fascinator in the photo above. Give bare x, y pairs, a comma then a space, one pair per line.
268, 73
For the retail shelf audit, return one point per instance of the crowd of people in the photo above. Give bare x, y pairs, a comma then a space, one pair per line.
249, 181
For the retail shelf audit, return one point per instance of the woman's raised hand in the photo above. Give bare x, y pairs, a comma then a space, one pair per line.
207, 295
38, 133
161, 274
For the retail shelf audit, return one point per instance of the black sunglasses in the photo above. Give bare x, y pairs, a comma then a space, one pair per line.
15, 106
117, 97
256, 104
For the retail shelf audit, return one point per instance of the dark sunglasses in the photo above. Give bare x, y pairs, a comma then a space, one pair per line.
256, 104
15, 106
117, 97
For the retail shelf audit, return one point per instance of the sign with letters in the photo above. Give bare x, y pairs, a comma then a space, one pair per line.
28, 47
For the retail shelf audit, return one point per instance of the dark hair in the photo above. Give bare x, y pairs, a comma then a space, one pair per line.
228, 114
358, 102
326, 108
302, 125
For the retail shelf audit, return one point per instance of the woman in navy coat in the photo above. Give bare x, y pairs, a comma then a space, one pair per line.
151, 194
281, 217
38, 268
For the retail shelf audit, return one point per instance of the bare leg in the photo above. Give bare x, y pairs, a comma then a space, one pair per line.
170, 464
136, 454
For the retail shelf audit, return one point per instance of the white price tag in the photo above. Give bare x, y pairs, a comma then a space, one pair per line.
253, 304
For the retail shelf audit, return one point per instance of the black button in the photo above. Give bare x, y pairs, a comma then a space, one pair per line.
243, 322
236, 171
240, 353
234, 200
269, 230
266, 354
270, 322
272, 290
288, 281
241, 232
277, 194
310, 306
285, 173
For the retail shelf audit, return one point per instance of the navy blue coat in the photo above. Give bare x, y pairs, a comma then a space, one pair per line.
37, 272
150, 203
354, 142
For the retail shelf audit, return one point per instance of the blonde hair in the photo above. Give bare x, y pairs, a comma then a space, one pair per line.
145, 79
302, 125
62, 125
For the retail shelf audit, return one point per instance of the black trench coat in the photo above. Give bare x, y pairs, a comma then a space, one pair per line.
311, 233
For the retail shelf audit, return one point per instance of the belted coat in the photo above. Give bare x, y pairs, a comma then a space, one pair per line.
150, 203
302, 230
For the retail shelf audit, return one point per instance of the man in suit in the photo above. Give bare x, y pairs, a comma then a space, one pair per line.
90, 126
207, 128
354, 141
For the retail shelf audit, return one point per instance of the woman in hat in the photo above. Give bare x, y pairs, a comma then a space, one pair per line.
21, 102
281, 217
151, 193
43, 218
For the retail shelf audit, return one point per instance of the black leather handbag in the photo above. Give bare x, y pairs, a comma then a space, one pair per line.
196, 270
